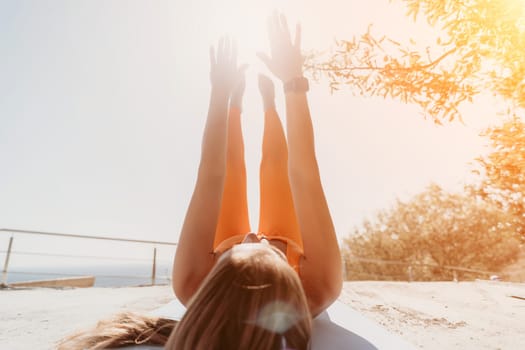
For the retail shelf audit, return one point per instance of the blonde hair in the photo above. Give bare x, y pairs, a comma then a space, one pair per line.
123, 329
251, 299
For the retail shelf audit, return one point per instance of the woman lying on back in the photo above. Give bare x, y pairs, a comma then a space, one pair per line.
244, 289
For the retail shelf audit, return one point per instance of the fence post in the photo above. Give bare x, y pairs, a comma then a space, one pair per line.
410, 275
6, 263
154, 268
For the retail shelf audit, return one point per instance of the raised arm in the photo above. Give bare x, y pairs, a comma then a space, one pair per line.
321, 268
194, 257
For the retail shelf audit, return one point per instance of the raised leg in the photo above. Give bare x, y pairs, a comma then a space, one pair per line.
277, 219
233, 218
321, 266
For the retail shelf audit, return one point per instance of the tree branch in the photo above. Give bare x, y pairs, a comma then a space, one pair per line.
420, 67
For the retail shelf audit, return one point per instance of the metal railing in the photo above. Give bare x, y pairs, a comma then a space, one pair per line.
407, 274
353, 272
9, 252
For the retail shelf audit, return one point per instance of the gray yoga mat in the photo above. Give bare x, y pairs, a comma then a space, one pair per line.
338, 328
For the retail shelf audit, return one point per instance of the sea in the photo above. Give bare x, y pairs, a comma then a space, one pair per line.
113, 264
107, 275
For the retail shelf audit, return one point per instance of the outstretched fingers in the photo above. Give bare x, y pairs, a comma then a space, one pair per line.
226, 52
223, 62
297, 41
284, 59
284, 29
278, 30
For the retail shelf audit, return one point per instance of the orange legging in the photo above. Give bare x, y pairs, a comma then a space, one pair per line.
277, 218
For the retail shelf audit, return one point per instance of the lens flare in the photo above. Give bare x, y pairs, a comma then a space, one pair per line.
278, 317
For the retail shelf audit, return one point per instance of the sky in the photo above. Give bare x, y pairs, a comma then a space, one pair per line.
103, 104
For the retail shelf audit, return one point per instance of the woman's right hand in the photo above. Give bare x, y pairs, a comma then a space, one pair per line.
285, 60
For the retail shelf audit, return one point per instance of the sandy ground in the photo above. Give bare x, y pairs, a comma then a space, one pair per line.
445, 315
437, 315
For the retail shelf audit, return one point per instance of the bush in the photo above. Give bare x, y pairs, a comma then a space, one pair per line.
426, 236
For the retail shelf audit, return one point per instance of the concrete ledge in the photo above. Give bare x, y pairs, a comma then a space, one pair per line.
79, 282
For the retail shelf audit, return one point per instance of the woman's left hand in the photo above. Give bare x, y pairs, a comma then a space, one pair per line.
224, 73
